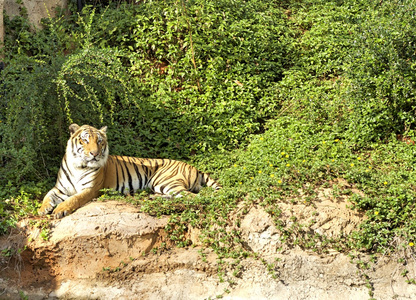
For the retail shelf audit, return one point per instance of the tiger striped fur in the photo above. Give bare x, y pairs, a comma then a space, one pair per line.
87, 168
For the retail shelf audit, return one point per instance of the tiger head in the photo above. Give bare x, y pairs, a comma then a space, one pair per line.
87, 146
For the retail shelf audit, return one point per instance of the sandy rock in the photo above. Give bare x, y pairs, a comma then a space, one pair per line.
104, 251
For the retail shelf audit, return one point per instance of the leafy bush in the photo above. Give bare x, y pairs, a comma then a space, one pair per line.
30, 120
355, 68
381, 70
314, 87
207, 64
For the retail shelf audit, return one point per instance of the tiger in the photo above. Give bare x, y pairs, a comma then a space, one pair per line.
87, 168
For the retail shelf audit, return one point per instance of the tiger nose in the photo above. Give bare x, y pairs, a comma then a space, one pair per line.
94, 153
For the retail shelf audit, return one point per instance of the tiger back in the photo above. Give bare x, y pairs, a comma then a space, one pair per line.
87, 168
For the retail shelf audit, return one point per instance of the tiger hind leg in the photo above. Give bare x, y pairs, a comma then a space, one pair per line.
172, 195
171, 192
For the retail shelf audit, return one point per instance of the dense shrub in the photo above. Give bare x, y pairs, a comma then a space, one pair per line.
31, 129
355, 68
381, 68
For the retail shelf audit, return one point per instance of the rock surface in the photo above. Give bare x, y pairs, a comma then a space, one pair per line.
36, 9
104, 251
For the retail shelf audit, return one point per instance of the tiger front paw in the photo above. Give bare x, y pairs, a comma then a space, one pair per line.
46, 208
61, 211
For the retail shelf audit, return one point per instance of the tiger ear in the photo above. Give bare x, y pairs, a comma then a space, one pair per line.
72, 128
104, 129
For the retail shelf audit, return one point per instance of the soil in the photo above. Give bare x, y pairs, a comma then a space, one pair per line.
105, 250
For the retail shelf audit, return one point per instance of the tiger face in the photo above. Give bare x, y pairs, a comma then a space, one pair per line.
88, 146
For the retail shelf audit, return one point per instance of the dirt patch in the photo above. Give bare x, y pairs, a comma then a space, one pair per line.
104, 251
327, 215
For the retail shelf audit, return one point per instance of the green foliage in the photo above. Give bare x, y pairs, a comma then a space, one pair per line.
355, 68
22, 205
380, 68
21, 40
30, 117
314, 87
200, 67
